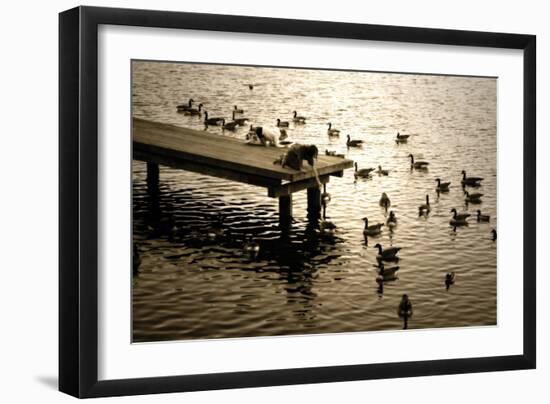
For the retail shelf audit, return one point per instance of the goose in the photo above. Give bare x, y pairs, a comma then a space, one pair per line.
231, 125
354, 143
482, 218
212, 121
458, 219
184, 107
194, 111
385, 201
449, 279
364, 172
392, 220
389, 254
425, 207
327, 227
282, 124
250, 86
372, 230
334, 154
386, 272
401, 138
494, 234
459, 216
240, 121
405, 308
237, 110
325, 198
472, 198
382, 172
419, 165
442, 186
472, 181
251, 248
332, 132
298, 119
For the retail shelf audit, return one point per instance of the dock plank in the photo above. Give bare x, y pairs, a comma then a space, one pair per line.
201, 147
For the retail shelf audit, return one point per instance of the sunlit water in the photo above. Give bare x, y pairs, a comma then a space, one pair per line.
196, 282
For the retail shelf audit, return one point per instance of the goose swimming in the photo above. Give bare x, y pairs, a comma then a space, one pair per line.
212, 121
363, 173
482, 218
473, 198
392, 220
354, 143
241, 120
385, 201
401, 138
372, 230
282, 124
298, 119
459, 219
389, 254
442, 186
449, 279
193, 111
405, 308
471, 181
494, 234
332, 132
382, 172
231, 125
334, 154
184, 107
419, 165
425, 207
237, 110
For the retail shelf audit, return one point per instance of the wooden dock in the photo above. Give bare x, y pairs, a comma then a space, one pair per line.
225, 157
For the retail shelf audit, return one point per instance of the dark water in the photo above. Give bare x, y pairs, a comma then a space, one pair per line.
196, 281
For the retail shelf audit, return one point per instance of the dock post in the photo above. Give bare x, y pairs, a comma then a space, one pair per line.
152, 178
285, 210
313, 203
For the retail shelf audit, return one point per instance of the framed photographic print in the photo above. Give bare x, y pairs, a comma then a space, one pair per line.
251, 201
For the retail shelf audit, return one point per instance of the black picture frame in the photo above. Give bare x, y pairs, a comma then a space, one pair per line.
78, 201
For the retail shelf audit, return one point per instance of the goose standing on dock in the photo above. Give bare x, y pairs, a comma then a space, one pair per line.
332, 132
282, 124
382, 172
385, 201
471, 181
372, 230
354, 143
473, 198
363, 173
389, 254
184, 107
425, 207
419, 165
442, 186
212, 121
298, 119
482, 218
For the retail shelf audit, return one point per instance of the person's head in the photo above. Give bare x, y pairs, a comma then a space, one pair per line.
311, 153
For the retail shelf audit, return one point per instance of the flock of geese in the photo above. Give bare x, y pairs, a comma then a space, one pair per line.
385, 255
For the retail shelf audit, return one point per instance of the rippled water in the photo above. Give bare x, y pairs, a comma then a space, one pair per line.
195, 281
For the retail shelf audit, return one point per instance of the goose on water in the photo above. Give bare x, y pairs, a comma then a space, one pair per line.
449, 279
185, 107
472, 181
458, 219
405, 308
425, 207
237, 110
494, 234
372, 230
298, 119
392, 220
332, 132
231, 125
401, 138
212, 121
386, 274
364, 172
241, 120
389, 254
442, 186
354, 143
419, 165
382, 172
385, 201
251, 248
193, 111
333, 153
282, 124
482, 218
473, 198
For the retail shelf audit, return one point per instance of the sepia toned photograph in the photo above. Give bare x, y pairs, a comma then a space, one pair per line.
275, 201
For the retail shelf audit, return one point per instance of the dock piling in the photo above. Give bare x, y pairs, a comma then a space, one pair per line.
285, 210
152, 178
314, 203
